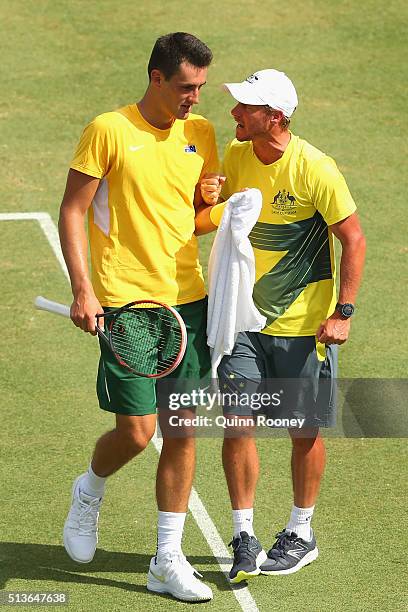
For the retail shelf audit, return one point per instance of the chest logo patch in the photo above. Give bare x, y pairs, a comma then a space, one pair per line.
284, 203
190, 149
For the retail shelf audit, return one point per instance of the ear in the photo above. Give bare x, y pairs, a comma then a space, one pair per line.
156, 77
276, 115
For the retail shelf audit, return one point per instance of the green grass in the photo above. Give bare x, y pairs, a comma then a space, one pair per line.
63, 63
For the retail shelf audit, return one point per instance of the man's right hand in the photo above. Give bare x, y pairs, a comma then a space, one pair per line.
84, 309
210, 186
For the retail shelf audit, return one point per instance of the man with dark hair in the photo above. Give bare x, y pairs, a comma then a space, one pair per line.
306, 202
135, 173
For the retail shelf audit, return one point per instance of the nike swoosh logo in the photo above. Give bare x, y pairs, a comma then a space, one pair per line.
136, 148
160, 578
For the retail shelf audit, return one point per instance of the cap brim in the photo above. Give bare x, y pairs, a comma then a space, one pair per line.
244, 93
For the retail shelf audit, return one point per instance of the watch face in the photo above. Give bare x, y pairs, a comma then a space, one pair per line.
347, 310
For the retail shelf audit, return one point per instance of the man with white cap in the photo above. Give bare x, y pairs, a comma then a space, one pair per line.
305, 202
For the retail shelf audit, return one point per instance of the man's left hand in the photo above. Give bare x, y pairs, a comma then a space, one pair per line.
334, 330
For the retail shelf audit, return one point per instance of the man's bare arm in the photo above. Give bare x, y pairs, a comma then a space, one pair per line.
79, 193
207, 195
336, 329
203, 223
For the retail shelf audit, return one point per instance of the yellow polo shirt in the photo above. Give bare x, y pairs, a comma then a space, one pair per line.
141, 222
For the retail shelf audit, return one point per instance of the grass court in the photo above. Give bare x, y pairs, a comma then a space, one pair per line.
63, 62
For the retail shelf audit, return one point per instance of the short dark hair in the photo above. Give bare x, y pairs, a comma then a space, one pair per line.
172, 49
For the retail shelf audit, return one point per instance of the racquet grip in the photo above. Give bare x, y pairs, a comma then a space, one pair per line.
42, 303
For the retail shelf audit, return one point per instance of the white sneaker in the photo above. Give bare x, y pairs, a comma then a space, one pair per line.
173, 574
81, 526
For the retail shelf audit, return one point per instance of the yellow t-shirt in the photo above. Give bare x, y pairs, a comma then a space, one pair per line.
141, 222
303, 193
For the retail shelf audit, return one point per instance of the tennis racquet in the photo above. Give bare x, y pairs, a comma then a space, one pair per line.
146, 337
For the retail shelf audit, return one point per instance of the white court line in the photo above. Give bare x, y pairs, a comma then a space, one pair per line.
196, 506
47, 226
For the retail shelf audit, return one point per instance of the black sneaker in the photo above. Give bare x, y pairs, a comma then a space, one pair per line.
289, 554
248, 556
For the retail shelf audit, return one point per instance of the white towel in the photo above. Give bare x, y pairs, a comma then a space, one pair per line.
231, 276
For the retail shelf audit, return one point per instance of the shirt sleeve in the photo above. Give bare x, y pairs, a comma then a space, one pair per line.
216, 213
211, 162
329, 192
93, 151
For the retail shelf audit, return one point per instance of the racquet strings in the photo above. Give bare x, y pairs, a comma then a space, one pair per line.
147, 339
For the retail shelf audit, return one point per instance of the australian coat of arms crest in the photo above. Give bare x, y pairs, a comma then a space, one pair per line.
284, 203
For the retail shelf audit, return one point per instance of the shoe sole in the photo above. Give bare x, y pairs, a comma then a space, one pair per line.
155, 586
242, 575
307, 559
66, 545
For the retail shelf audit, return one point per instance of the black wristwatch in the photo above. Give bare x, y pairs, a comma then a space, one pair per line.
346, 310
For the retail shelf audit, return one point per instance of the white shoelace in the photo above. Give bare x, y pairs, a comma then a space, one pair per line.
175, 560
88, 516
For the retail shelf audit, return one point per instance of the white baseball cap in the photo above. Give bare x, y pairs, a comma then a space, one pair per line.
266, 87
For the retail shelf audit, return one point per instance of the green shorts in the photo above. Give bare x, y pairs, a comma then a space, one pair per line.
122, 392
287, 371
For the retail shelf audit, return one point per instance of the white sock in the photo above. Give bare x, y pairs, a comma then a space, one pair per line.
92, 484
170, 532
243, 521
299, 522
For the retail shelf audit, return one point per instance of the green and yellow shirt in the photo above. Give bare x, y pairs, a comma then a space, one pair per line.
303, 194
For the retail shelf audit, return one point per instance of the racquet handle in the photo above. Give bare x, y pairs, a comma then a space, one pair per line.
42, 303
